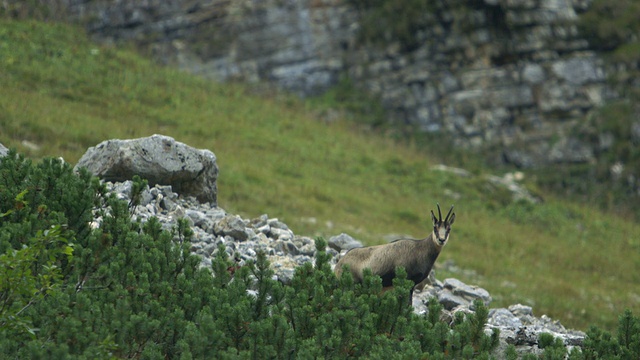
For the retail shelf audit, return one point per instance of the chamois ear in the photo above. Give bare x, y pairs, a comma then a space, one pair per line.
433, 218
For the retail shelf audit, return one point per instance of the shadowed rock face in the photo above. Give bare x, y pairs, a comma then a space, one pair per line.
509, 75
158, 159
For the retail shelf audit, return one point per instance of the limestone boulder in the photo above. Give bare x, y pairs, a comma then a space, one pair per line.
159, 159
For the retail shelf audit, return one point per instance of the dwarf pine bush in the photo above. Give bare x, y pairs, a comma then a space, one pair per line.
601, 344
132, 290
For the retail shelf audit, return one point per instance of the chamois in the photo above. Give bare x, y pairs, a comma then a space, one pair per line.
416, 256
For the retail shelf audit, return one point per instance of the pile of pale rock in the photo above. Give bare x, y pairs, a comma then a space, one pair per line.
244, 238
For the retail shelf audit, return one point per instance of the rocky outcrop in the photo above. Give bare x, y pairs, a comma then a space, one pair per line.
244, 238
159, 159
509, 75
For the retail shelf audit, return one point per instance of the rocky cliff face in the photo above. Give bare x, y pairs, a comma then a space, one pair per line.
507, 74
298, 45
512, 75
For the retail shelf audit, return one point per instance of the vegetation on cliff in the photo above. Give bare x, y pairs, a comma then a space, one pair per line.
383, 22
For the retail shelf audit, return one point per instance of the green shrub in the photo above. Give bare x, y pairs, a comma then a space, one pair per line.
27, 276
35, 197
554, 348
612, 25
601, 344
385, 21
361, 106
131, 290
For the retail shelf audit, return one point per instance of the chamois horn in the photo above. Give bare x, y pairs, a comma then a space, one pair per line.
450, 210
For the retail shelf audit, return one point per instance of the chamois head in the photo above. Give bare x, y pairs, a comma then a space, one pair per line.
441, 228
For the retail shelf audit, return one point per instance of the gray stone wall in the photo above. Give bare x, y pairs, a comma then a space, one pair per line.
512, 75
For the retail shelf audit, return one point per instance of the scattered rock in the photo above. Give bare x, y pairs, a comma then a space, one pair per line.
457, 171
455, 293
286, 247
504, 318
231, 225
343, 242
510, 182
30, 145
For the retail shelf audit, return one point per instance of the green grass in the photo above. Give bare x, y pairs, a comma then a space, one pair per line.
276, 156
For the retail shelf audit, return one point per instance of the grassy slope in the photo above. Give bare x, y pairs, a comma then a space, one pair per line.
64, 94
